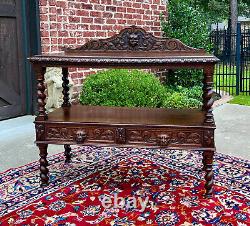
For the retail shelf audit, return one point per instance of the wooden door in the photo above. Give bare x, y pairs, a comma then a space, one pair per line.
12, 89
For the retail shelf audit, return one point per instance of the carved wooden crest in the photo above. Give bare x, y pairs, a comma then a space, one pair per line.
134, 39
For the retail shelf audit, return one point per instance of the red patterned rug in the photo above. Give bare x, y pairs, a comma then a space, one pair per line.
125, 186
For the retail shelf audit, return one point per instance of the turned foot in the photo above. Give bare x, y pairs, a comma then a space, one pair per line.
208, 167
43, 165
67, 154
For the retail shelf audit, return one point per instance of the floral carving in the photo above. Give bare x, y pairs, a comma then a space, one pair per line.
79, 134
40, 131
103, 134
209, 138
134, 39
61, 133
164, 138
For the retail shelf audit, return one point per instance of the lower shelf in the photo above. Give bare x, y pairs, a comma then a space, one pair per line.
126, 126
128, 116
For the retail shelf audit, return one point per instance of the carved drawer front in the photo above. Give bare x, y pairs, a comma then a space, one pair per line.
81, 135
164, 137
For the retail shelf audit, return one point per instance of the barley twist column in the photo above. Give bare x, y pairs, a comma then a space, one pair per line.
40, 71
209, 175
207, 95
43, 165
66, 104
41, 117
65, 85
208, 154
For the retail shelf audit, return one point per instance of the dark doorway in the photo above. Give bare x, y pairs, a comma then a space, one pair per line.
16, 44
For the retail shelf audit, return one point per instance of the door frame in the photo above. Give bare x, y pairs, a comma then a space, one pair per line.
8, 11
27, 17
31, 42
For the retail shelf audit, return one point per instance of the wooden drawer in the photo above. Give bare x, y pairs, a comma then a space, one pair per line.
81, 134
127, 135
165, 137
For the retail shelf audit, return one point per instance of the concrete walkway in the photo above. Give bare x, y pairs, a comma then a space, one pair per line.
17, 136
232, 135
17, 146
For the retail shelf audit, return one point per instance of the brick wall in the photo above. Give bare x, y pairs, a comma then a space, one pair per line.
73, 22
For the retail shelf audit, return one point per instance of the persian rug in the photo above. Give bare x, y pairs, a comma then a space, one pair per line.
127, 186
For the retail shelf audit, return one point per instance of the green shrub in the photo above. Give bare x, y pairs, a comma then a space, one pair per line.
182, 97
187, 24
190, 26
135, 88
123, 88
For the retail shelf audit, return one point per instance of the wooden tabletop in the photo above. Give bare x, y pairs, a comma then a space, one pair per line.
123, 58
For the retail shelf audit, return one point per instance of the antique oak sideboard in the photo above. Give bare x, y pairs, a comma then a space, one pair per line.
133, 47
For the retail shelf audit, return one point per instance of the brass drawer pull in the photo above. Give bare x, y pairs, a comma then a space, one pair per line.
81, 136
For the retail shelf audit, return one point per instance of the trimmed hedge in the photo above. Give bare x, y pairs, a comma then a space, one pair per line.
135, 88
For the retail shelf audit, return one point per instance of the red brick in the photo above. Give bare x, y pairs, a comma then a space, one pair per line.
131, 10
53, 33
136, 5
44, 33
54, 49
121, 21
52, 17
44, 17
121, 9
154, 7
99, 7
95, 14
44, 26
140, 11
53, 41
63, 33
118, 15
73, 22
52, 2
162, 8
52, 10
87, 20
127, 4
111, 8
99, 20
107, 15
59, 11
46, 48
69, 41
82, 13
74, 19
110, 21
87, 6
61, 4
45, 41
137, 16
95, 27
105, 2
107, 27
43, 2
53, 26
44, 10
145, 6
128, 16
